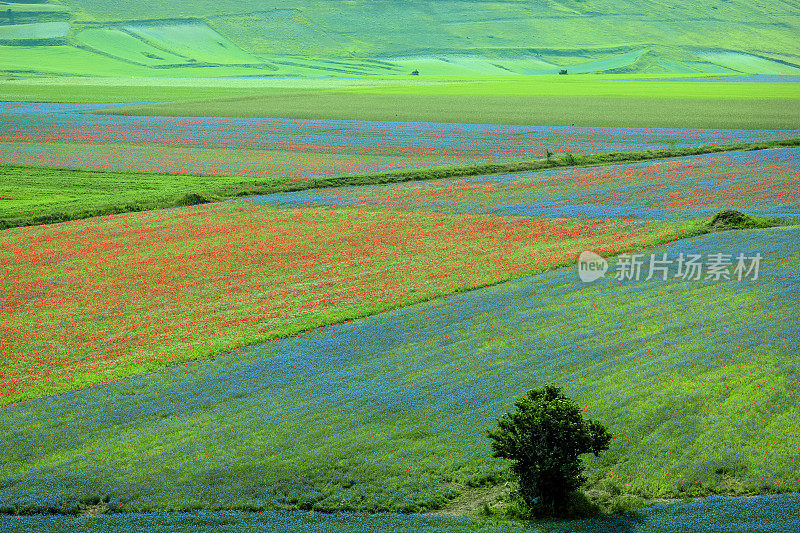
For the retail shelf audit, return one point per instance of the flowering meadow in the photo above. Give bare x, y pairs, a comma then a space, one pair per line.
66, 135
262, 162
335, 356
696, 380
90, 300
766, 514
762, 182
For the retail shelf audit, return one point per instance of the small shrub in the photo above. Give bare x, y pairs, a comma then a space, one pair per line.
580, 506
609, 487
194, 198
733, 219
489, 479
626, 503
517, 508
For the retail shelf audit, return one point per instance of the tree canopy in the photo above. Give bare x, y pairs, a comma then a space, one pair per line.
545, 438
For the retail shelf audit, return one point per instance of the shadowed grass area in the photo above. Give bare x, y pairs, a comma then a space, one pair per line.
769, 514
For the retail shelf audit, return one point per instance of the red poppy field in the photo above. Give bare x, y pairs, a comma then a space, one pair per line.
96, 299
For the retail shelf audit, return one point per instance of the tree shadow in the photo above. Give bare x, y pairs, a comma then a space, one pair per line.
618, 523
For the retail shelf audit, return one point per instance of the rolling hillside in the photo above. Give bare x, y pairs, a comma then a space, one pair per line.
697, 380
267, 37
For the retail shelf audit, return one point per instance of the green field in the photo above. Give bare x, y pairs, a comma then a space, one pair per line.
170, 343
46, 195
165, 89
541, 100
34, 31
652, 112
699, 390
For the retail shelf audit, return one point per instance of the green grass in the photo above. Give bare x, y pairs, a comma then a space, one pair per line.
42, 195
554, 100
34, 31
542, 100
114, 90
543, 111
123, 45
151, 88
616, 85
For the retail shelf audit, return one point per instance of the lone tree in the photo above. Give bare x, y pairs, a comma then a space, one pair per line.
544, 438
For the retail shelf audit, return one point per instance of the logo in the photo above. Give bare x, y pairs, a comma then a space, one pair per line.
591, 267
716, 267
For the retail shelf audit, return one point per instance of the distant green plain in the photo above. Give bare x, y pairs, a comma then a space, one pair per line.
580, 100
588, 111
118, 89
543, 100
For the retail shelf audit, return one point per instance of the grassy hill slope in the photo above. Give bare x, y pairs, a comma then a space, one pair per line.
441, 37
392, 27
